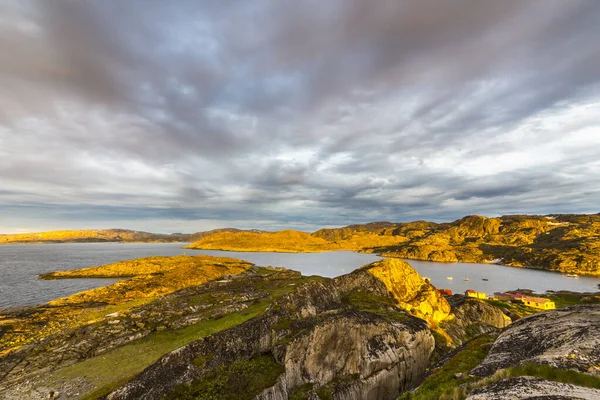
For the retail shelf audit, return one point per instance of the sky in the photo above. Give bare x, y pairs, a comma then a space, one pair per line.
183, 116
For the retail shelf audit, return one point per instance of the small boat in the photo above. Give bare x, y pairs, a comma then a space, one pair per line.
484, 279
449, 278
572, 275
466, 279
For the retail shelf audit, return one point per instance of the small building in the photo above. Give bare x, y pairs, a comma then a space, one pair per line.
518, 297
445, 292
477, 295
539, 303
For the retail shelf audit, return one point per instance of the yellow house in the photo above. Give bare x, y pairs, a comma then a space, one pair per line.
477, 295
538, 302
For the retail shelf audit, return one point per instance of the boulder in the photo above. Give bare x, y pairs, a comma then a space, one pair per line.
471, 318
564, 338
523, 387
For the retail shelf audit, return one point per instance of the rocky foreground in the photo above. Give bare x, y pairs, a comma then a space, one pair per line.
379, 332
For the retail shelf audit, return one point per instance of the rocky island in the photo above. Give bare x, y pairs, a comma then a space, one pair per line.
200, 327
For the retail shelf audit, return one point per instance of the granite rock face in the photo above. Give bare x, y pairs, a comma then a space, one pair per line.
385, 357
471, 318
378, 358
319, 341
408, 288
563, 338
533, 388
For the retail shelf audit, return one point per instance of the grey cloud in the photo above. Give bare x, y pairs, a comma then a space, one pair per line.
305, 113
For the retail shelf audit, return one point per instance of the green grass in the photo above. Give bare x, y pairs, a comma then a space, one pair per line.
301, 392
240, 380
569, 299
364, 300
375, 304
500, 304
442, 383
555, 374
326, 392
108, 371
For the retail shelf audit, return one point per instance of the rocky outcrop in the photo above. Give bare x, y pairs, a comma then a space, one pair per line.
564, 338
533, 388
178, 367
358, 355
383, 356
471, 318
397, 277
320, 341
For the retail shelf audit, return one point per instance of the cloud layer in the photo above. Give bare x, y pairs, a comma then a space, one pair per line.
190, 115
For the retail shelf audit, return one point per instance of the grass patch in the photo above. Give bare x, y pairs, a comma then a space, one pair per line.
442, 383
500, 304
240, 380
383, 306
108, 371
363, 300
326, 392
570, 299
263, 270
553, 374
202, 360
301, 392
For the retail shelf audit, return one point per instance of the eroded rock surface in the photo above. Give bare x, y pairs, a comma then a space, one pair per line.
384, 356
533, 388
410, 290
320, 341
471, 318
564, 338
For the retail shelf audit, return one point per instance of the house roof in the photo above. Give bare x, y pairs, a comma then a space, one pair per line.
536, 299
512, 295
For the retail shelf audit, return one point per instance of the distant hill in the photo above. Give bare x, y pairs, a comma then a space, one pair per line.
109, 235
566, 243
559, 242
284, 241
200, 235
92, 235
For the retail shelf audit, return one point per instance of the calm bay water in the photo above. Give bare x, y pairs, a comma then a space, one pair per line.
21, 264
499, 278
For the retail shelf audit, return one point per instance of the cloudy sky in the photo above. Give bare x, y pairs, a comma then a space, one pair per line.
179, 116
